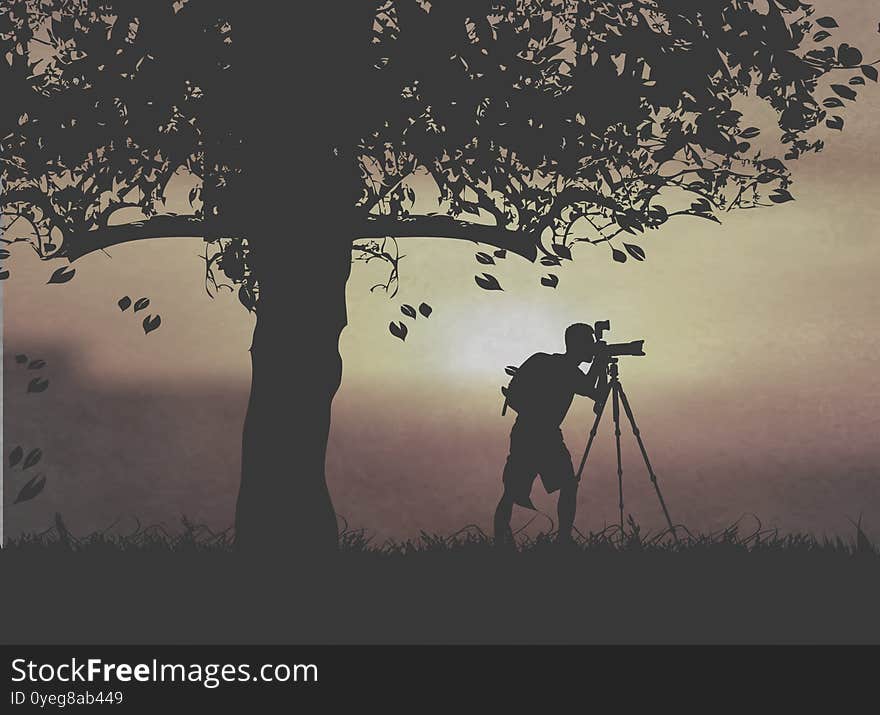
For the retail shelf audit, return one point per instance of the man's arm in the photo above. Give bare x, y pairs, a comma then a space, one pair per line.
594, 383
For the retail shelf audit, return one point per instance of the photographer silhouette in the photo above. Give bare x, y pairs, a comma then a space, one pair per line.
541, 392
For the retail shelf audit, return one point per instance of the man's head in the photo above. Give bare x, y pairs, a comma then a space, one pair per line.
580, 342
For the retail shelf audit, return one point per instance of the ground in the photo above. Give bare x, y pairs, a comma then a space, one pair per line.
727, 587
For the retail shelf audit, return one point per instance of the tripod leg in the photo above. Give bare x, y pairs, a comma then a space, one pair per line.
593, 431
616, 412
638, 435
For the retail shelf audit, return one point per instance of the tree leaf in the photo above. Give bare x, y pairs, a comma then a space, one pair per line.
62, 275
821, 35
246, 298
562, 251
827, 22
832, 102
636, 252
37, 385
4, 275
488, 282
485, 259
4, 254
34, 456
750, 132
781, 196
618, 255
870, 72
398, 330
15, 456
426, 310
141, 304
21, 359
37, 365
124, 303
32, 489
550, 280
551, 261
502, 253
408, 311
836, 122
774, 164
151, 323
849, 56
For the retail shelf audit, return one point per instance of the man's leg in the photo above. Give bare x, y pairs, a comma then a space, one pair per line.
566, 507
503, 513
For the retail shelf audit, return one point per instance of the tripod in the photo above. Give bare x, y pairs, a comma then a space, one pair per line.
618, 396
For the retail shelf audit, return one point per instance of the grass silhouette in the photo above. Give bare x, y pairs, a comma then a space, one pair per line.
736, 585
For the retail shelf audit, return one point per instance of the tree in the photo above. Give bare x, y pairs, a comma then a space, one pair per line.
314, 135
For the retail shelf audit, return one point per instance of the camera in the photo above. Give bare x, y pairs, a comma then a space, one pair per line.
634, 348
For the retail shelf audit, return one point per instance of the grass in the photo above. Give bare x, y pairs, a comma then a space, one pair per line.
736, 585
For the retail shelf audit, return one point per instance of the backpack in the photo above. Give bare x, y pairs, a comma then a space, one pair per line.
526, 383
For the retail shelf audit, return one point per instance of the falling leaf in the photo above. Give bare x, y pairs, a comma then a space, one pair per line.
781, 196
151, 322
37, 385
37, 365
827, 22
551, 261
124, 303
844, 91
618, 255
502, 253
4, 275
62, 275
488, 282
141, 304
636, 252
21, 359
15, 456
821, 35
836, 122
398, 330
550, 280
4, 254
750, 132
34, 456
31, 489
426, 310
870, 72
485, 259
408, 311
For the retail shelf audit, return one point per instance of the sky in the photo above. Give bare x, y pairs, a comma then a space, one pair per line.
758, 398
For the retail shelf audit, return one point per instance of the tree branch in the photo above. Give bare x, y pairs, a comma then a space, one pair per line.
523, 244
370, 226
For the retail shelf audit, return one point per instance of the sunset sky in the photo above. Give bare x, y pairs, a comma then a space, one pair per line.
759, 393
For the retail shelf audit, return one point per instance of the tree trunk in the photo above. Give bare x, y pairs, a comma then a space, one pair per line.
294, 102
284, 504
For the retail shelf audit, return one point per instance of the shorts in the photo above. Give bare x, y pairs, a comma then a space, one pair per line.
536, 452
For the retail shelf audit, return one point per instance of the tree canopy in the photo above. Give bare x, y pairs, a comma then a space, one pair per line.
528, 125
